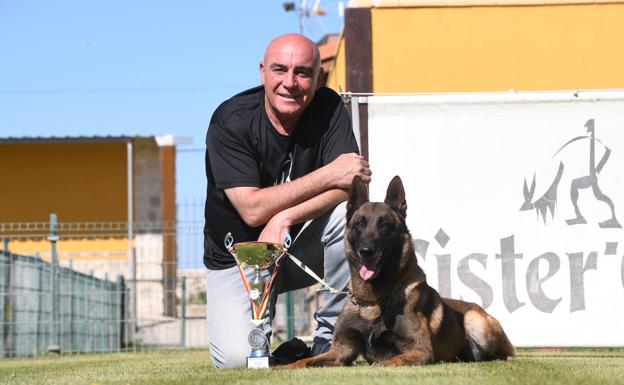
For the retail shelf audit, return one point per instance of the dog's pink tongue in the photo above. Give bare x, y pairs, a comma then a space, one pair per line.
365, 273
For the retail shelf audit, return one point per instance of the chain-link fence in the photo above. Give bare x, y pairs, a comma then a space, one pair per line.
113, 286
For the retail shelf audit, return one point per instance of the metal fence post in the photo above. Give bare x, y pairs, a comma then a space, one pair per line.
101, 313
109, 311
40, 339
290, 316
133, 291
91, 307
8, 308
355, 120
120, 304
72, 310
183, 314
6, 302
54, 346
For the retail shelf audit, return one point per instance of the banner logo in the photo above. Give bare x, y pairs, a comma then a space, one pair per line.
547, 202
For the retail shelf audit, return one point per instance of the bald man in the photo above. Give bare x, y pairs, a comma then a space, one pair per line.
280, 158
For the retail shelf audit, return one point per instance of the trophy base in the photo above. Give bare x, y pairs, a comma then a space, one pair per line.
259, 362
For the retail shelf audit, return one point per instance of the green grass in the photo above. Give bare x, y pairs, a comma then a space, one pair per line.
193, 367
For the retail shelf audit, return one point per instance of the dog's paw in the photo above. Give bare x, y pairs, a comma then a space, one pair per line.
399, 361
387, 363
295, 365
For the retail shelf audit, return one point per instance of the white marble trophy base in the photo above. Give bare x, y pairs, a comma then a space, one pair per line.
258, 363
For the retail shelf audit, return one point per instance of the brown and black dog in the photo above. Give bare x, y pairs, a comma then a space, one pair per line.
394, 317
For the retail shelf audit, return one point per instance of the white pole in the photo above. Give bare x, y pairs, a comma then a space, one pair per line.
131, 252
355, 120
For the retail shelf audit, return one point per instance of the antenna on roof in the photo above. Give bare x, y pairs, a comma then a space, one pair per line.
304, 10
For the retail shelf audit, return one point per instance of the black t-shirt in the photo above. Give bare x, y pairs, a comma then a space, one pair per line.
244, 149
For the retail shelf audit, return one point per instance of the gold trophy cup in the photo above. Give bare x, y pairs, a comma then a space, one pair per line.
259, 257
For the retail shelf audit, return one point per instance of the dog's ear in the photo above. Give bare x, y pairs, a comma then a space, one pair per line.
358, 195
395, 197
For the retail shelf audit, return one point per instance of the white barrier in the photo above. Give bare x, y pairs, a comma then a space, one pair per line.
465, 159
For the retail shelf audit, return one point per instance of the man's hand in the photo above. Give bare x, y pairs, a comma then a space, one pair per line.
347, 166
276, 229
257, 206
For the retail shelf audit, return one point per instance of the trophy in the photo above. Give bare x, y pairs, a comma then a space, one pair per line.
259, 256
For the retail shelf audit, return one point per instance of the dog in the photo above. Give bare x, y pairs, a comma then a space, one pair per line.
393, 316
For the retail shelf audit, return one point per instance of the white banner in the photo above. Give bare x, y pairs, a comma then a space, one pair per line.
515, 202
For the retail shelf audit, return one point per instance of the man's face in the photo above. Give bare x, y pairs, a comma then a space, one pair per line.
290, 75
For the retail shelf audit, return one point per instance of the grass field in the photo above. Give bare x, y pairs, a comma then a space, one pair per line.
193, 367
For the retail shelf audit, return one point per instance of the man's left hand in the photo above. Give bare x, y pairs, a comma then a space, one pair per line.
276, 229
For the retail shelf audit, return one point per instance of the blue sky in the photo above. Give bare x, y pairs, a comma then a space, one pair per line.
135, 67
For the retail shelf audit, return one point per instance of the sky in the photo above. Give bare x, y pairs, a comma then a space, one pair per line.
136, 67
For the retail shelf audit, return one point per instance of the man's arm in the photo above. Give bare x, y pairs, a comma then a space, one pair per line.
312, 208
258, 205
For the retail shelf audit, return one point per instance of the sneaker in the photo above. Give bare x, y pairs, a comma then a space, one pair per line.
320, 346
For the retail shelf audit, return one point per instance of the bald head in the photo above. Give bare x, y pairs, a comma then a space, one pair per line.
294, 42
290, 73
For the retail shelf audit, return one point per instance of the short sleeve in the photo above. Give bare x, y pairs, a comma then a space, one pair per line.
339, 138
231, 156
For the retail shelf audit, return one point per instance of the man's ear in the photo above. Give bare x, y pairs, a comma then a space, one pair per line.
319, 78
395, 197
261, 69
358, 195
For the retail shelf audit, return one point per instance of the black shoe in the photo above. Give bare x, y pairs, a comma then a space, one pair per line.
320, 346
290, 351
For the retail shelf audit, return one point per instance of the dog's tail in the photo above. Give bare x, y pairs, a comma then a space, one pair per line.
486, 339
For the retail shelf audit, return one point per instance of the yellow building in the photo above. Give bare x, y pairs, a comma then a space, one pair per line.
434, 46
105, 191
